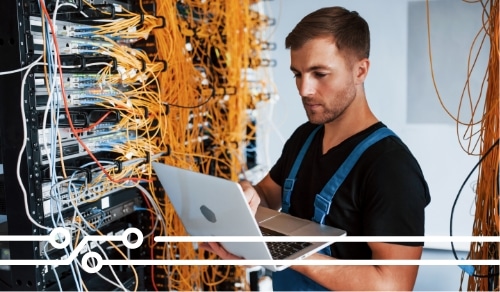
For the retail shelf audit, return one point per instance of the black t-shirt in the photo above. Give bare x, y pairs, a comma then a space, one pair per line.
384, 194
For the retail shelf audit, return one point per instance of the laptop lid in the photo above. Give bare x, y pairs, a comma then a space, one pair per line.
213, 206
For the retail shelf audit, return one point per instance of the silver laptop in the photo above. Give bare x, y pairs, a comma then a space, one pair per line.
213, 206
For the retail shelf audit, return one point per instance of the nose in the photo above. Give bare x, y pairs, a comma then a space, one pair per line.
305, 86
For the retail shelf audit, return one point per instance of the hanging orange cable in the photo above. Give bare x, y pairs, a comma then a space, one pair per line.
486, 219
207, 46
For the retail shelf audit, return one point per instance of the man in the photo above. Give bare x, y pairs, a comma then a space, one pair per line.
384, 194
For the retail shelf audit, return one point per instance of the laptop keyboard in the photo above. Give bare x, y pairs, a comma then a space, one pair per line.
281, 250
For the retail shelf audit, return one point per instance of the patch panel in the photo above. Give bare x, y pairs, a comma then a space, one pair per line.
73, 148
69, 45
71, 82
77, 98
80, 196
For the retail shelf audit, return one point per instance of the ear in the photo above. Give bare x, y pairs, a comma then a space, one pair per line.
360, 70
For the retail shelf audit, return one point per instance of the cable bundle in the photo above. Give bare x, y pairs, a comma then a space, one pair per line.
486, 221
113, 87
209, 46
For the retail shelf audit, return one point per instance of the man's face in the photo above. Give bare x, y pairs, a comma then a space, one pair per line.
324, 78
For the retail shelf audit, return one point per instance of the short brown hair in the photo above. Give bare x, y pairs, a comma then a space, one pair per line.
348, 30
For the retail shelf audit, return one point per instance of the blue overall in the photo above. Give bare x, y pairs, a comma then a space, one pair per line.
289, 279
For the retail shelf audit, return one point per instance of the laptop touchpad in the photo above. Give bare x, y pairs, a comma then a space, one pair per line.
284, 223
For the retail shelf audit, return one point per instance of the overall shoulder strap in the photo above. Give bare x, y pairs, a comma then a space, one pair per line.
290, 181
324, 199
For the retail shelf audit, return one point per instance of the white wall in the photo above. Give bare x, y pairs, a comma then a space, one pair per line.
435, 145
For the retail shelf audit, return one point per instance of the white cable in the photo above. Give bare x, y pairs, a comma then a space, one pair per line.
53, 106
16, 70
53, 268
74, 269
75, 272
119, 283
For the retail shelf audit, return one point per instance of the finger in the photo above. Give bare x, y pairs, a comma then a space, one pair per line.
206, 246
219, 250
251, 195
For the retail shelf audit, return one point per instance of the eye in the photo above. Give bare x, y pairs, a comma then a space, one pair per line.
319, 74
296, 75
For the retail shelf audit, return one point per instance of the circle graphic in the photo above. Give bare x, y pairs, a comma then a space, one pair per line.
57, 234
97, 262
129, 244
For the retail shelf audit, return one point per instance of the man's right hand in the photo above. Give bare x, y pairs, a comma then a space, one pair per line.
251, 195
219, 250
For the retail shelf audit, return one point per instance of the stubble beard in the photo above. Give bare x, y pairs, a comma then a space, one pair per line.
329, 112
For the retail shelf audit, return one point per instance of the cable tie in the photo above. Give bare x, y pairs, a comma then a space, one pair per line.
268, 46
270, 21
165, 65
167, 108
141, 22
163, 22
167, 153
230, 90
144, 66
146, 111
119, 165
148, 157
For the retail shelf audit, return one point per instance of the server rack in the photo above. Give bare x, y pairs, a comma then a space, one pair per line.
20, 118
31, 170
